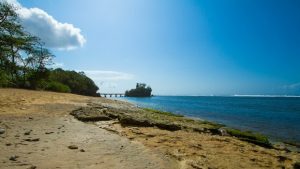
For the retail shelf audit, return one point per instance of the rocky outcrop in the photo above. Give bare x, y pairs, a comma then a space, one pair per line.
90, 114
129, 120
125, 117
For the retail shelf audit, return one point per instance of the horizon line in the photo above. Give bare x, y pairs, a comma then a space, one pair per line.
235, 95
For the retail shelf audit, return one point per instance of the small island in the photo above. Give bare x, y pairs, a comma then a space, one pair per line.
141, 90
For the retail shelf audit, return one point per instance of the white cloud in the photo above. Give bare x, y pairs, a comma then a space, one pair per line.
108, 75
55, 34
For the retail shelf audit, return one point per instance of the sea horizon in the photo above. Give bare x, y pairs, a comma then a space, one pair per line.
235, 95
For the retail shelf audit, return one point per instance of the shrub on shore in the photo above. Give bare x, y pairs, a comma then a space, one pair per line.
4, 80
58, 87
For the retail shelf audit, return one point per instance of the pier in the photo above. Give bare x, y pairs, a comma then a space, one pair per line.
112, 94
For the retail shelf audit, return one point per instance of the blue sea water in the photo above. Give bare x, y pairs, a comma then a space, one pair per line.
276, 117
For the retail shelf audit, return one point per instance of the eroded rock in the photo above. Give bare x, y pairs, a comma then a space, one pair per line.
128, 120
90, 114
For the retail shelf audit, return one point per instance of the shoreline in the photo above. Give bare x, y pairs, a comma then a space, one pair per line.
276, 139
166, 139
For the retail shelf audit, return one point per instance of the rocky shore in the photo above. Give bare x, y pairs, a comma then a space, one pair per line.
54, 130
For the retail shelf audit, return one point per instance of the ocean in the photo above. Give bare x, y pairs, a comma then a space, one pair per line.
276, 117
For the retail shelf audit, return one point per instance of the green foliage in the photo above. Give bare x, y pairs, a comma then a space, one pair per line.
37, 79
162, 112
22, 56
250, 137
58, 87
140, 91
4, 79
79, 83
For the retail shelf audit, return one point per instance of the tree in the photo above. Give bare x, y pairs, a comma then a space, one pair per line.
79, 83
22, 55
140, 91
24, 61
8, 16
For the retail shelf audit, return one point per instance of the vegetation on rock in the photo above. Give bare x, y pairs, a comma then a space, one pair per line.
141, 90
250, 137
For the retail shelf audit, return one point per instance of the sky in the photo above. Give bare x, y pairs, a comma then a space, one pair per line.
178, 47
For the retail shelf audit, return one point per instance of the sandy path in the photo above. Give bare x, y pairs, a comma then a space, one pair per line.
39, 134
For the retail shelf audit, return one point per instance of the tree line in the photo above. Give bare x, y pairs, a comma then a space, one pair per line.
24, 60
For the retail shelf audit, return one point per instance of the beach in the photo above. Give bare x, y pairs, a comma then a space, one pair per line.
56, 130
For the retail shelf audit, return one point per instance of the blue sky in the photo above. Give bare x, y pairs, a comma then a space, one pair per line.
178, 47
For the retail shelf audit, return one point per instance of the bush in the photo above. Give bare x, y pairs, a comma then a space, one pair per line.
58, 87
78, 82
4, 80
40, 84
